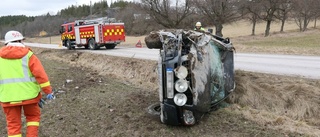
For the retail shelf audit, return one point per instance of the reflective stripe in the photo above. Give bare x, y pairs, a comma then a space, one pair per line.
16, 80
25, 65
25, 70
15, 102
45, 84
32, 123
19, 135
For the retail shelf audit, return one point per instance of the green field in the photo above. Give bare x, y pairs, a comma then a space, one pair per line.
302, 41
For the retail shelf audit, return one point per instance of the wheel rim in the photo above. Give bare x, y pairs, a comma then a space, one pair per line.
68, 45
91, 44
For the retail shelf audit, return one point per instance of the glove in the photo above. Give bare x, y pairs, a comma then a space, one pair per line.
50, 96
41, 103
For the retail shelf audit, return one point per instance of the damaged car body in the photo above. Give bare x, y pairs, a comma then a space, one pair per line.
196, 73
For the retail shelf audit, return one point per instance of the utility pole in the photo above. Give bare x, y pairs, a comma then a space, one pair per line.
90, 9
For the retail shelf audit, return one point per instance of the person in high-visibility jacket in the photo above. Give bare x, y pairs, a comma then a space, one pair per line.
22, 77
198, 27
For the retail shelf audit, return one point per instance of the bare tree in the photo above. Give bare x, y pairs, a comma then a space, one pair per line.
136, 21
285, 6
317, 13
251, 10
269, 8
167, 13
219, 12
127, 16
304, 11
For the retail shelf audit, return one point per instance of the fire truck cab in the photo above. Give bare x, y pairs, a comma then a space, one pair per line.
92, 34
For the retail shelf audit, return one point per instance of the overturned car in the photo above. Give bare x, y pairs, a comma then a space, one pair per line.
196, 73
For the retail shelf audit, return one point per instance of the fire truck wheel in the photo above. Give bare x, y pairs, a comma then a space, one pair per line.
110, 46
68, 44
92, 44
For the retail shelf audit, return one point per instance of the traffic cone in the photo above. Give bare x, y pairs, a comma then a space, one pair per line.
139, 45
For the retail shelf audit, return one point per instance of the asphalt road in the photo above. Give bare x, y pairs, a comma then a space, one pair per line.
304, 66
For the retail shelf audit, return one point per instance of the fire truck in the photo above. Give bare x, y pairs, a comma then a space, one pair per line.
92, 34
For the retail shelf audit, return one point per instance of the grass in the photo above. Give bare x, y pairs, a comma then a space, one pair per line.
130, 40
105, 104
243, 28
291, 41
262, 100
302, 41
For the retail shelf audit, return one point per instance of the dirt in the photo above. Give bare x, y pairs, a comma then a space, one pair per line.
108, 96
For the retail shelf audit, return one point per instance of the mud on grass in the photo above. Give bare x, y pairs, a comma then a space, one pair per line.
103, 100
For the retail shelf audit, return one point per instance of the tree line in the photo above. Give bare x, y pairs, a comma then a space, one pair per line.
32, 26
148, 15
221, 12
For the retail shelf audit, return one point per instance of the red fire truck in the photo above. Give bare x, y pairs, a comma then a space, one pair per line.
92, 34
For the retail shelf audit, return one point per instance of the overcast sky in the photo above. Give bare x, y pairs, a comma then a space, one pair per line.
39, 7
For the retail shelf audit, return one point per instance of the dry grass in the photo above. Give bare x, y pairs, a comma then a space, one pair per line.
131, 41
288, 105
135, 71
296, 43
288, 94
291, 41
104, 105
271, 99
243, 28
45, 40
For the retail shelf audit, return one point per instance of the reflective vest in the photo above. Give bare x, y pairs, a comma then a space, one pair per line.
16, 80
202, 29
